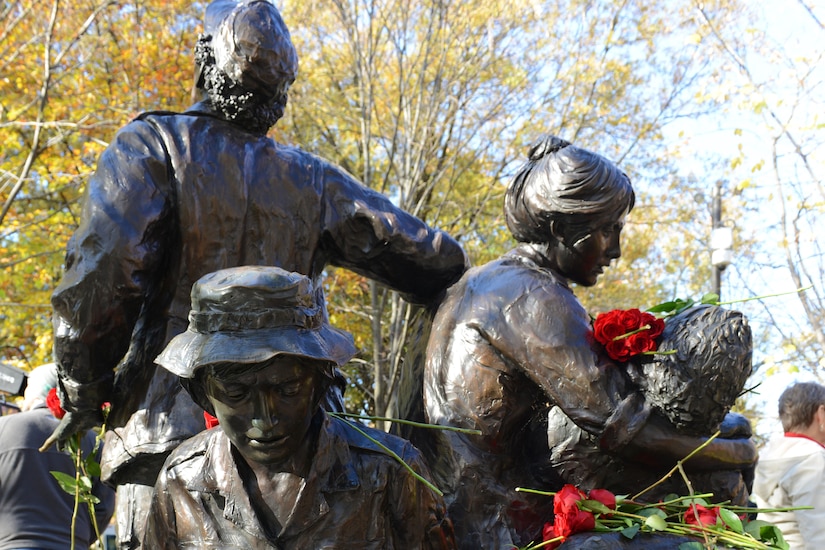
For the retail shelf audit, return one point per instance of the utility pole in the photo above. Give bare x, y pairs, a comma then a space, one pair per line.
721, 240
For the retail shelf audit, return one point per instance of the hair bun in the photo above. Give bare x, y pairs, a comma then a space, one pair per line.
545, 145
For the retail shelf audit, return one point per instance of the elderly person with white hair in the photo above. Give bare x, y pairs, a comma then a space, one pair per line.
34, 511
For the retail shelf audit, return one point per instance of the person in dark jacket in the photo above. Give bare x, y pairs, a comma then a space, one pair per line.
34, 511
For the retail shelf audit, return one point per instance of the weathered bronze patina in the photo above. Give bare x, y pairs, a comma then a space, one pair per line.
512, 354
279, 472
179, 195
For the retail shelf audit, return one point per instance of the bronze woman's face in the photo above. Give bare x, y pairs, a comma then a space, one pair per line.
266, 413
582, 257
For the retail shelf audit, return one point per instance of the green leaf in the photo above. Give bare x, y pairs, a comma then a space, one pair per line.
692, 545
665, 307
753, 528
650, 512
66, 482
710, 298
594, 506
656, 522
766, 532
731, 520
85, 483
92, 467
630, 532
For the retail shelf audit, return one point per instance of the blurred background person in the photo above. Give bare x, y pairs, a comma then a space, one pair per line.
791, 468
34, 511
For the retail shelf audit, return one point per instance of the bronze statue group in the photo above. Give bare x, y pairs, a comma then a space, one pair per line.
194, 284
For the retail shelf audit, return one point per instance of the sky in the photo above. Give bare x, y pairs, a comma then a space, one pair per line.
789, 27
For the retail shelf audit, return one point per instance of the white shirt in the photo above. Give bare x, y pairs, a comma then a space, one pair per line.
791, 472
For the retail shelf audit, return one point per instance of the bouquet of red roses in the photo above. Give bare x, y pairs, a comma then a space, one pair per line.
711, 525
627, 332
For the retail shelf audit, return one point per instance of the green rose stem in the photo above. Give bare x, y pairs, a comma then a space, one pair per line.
77, 467
81, 485
408, 423
545, 543
631, 333
797, 291
415, 474
678, 468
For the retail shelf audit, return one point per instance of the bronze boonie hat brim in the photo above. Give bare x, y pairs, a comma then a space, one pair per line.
250, 315
191, 350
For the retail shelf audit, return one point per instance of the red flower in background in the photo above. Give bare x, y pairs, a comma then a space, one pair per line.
625, 333
209, 420
701, 515
53, 402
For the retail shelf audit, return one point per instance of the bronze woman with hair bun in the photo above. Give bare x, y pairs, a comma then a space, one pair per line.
511, 354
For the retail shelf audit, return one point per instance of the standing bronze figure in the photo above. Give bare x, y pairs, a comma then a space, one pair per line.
179, 195
512, 354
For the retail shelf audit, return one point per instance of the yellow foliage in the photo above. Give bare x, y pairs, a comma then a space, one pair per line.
100, 74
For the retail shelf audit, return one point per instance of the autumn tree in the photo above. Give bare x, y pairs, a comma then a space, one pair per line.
73, 72
773, 86
434, 103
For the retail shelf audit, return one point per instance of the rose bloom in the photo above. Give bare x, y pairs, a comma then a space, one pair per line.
209, 420
53, 402
604, 496
569, 519
611, 325
567, 499
574, 521
701, 515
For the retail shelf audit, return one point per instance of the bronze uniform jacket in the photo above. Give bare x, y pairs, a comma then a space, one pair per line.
355, 496
177, 196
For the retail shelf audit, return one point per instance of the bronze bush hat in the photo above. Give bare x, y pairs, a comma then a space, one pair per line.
251, 314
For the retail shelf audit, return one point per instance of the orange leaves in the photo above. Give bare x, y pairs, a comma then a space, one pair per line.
107, 61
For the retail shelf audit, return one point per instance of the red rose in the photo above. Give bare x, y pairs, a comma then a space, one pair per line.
209, 420
618, 350
625, 333
548, 532
573, 522
567, 499
53, 402
701, 515
569, 519
604, 496
608, 326
639, 343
